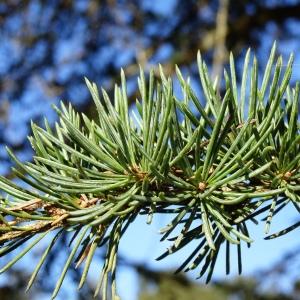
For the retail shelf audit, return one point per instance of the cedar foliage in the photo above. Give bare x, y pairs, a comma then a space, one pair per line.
213, 166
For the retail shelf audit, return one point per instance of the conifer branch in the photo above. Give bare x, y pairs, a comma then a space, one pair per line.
221, 163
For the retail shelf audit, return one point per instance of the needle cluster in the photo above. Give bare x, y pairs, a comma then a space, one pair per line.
214, 164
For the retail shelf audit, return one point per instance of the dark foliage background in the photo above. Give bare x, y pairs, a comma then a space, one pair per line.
46, 47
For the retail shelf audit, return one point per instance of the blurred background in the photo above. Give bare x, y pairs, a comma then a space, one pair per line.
46, 49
